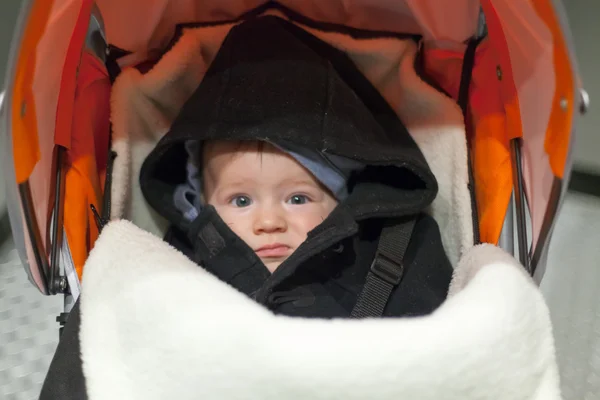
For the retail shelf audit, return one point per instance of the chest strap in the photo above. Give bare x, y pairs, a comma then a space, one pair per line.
386, 270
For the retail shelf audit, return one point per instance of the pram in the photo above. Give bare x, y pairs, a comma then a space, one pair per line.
67, 182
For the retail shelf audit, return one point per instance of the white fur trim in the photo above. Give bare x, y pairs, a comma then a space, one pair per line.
143, 108
156, 326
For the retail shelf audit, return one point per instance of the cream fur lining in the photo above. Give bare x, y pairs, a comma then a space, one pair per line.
144, 106
155, 326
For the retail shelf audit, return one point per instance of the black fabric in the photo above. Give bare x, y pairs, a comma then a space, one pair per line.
65, 380
112, 67
225, 254
275, 82
296, 89
386, 270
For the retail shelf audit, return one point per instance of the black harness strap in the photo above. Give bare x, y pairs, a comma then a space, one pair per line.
386, 271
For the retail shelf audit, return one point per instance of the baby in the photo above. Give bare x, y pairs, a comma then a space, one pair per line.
264, 195
298, 187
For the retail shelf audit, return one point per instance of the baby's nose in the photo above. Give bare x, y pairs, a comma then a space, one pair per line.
270, 219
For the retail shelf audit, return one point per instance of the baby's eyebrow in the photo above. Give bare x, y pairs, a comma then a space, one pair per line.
236, 183
299, 182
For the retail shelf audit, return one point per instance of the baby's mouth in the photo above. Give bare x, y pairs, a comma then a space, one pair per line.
273, 250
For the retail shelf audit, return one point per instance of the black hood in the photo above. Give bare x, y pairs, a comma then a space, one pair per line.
273, 81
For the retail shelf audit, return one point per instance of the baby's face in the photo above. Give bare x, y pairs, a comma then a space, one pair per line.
267, 198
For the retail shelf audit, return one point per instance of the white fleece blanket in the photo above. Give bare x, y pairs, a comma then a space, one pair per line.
156, 326
144, 106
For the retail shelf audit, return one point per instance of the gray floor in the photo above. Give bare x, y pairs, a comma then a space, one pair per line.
572, 290
9, 10
28, 330
8, 15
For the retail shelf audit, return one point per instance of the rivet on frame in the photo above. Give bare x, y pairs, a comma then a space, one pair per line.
564, 104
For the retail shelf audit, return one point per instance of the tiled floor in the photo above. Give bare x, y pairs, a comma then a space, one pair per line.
29, 333
572, 289
28, 330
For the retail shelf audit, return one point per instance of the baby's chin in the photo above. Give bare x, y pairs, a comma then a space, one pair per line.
272, 265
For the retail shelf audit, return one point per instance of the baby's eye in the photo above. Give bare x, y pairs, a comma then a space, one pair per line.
298, 199
241, 201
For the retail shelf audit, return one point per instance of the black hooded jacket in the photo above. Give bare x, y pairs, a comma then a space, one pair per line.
275, 82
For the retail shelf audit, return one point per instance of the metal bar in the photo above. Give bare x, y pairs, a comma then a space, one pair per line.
106, 198
507, 235
519, 193
34, 233
547, 224
57, 284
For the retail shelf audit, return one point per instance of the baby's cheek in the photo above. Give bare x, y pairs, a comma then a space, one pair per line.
236, 224
226, 216
316, 217
310, 221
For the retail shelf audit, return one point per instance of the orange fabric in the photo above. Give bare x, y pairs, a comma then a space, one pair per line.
87, 157
486, 128
23, 117
558, 133
66, 98
490, 122
495, 119
508, 89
